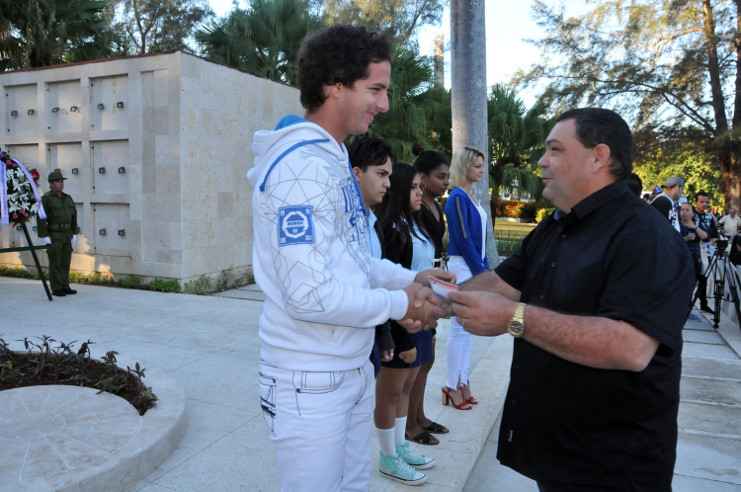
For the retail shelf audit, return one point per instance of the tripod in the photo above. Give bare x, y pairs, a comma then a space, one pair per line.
722, 270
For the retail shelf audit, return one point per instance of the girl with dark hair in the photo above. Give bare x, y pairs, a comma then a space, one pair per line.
408, 244
434, 173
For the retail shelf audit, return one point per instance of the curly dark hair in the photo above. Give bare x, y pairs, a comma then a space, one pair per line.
338, 53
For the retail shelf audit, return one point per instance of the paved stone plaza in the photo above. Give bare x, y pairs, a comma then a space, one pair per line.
201, 357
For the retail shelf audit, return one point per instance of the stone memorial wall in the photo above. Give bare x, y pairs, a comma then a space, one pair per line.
155, 149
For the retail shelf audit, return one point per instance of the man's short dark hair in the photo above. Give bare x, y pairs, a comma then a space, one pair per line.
597, 125
701, 193
372, 151
338, 53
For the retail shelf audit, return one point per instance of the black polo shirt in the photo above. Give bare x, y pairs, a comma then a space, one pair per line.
571, 427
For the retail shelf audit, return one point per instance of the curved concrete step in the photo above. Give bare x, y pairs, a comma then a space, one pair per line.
71, 438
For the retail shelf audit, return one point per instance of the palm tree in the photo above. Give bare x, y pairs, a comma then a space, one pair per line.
36, 33
414, 102
263, 39
515, 139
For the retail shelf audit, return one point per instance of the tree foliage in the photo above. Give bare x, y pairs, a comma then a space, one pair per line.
657, 62
419, 111
263, 39
516, 137
161, 25
687, 152
36, 33
397, 18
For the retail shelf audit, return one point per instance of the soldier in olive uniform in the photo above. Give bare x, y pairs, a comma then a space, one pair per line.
59, 230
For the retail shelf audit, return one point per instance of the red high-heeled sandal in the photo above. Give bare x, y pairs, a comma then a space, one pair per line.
448, 398
466, 389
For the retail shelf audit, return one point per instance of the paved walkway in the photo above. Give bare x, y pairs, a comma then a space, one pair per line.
203, 352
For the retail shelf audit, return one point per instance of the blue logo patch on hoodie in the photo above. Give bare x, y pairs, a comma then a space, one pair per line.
296, 225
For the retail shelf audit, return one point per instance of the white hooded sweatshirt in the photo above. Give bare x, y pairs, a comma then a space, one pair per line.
323, 294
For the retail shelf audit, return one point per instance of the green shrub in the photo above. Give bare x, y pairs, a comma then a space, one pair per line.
133, 282
95, 278
227, 279
161, 285
17, 271
202, 285
528, 212
224, 280
543, 213
244, 277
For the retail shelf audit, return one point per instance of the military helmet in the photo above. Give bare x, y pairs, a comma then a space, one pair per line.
55, 175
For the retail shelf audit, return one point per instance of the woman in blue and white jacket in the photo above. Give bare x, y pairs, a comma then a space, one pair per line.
467, 257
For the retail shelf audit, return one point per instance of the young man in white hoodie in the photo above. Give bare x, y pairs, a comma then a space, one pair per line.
324, 294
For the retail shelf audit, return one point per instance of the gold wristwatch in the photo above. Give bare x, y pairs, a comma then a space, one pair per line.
516, 326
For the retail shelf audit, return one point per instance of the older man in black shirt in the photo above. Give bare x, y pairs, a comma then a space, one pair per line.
596, 297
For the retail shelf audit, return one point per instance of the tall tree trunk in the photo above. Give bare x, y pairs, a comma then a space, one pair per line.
729, 156
731, 165
468, 93
727, 146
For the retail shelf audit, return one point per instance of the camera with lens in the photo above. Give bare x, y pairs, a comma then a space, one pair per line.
722, 243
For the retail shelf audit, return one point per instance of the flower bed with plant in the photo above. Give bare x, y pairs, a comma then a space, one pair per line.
509, 208
50, 362
525, 211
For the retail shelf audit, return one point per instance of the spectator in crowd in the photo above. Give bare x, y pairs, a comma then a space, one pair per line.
596, 298
371, 160
694, 234
407, 243
434, 171
467, 249
706, 222
730, 224
667, 203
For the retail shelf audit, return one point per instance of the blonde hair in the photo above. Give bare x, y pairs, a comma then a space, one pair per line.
463, 158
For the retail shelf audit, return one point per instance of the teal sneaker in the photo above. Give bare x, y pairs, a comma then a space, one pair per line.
418, 461
397, 469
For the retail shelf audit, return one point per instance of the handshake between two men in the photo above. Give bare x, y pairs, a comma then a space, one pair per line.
426, 307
